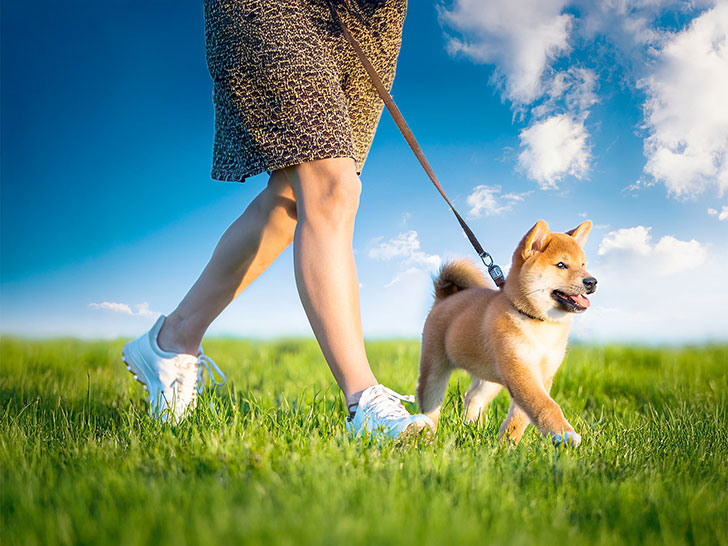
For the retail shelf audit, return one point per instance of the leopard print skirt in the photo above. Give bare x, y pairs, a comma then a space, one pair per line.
287, 86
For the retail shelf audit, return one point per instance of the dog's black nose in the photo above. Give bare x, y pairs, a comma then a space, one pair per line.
591, 284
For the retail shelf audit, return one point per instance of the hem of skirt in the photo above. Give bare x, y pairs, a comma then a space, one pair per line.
225, 175
231, 176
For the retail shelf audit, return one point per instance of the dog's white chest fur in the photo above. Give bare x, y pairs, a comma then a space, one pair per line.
543, 348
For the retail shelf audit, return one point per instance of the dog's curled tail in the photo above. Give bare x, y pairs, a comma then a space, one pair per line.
456, 276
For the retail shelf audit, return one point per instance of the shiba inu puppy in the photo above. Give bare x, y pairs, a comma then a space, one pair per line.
513, 338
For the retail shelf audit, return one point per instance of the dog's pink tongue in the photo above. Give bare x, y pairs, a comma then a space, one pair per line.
581, 300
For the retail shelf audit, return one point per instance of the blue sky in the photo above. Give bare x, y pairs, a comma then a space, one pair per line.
612, 111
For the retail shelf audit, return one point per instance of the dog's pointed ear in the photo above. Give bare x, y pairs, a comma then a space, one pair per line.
581, 232
535, 240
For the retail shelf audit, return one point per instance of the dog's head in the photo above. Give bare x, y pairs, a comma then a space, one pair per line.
548, 277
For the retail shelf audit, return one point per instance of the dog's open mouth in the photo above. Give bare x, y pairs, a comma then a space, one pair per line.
573, 304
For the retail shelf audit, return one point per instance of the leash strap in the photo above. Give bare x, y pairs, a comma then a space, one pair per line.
494, 271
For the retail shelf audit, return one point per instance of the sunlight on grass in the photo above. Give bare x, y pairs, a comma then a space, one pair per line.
82, 463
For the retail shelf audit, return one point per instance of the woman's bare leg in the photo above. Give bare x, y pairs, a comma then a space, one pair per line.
324, 196
245, 250
327, 197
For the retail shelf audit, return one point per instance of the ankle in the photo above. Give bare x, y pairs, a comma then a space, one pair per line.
352, 400
173, 337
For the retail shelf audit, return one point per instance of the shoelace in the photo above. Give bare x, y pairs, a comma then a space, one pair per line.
386, 404
206, 362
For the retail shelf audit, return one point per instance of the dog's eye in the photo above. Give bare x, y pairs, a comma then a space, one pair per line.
562, 265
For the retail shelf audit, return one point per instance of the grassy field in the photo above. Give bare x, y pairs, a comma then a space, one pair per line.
82, 463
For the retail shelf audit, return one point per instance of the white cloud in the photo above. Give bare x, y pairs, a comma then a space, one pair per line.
488, 200
484, 200
634, 249
142, 309
636, 239
413, 262
686, 111
407, 247
629, 24
556, 146
553, 148
638, 185
112, 306
655, 293
520, 38
410, 273
722, 214
633, 27
684, 75
572, 90
402, 245
523, 39
673, 256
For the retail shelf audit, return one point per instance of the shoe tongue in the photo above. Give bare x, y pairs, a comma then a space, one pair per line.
387, 402
368, 394
383, 393
187, 365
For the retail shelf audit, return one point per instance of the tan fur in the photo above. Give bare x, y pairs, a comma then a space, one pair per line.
456, 276
482, 331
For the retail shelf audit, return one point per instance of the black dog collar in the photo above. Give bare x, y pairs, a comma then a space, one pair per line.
526, 314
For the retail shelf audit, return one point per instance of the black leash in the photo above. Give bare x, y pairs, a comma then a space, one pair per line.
494, 271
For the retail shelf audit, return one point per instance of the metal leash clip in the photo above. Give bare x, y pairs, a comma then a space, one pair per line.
494, 271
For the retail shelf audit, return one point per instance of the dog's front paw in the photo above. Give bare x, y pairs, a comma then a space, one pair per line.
568, 439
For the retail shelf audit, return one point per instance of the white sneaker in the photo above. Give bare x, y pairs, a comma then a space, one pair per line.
380, 413
172, 380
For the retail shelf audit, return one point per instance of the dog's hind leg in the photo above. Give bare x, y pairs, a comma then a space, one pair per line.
479, 395
435, 371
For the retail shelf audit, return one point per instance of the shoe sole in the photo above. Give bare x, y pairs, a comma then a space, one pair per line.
140, 372
135, 375
132, 368
417, 431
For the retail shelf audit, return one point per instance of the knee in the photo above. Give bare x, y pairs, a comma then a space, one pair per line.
329, 195
334, 201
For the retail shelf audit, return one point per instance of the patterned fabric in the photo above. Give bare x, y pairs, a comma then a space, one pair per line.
288, 87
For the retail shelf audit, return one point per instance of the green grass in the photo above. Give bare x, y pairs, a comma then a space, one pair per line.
82, 463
